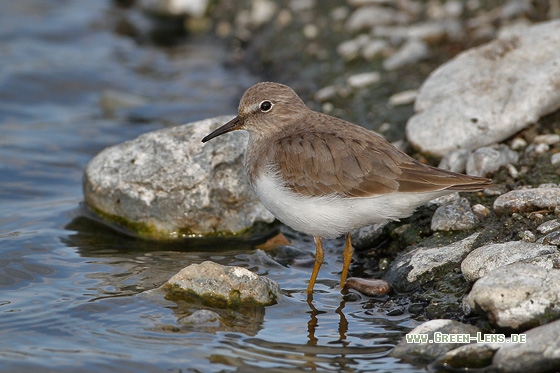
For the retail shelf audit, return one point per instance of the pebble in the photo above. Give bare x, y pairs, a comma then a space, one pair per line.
157, 197
480, 210
403, 98
326, 93
410, 52
373, 48
555, 159
481, 261
454, 216
201, 317
366, 237
222, 286
518, 143
362, 80
371, 287
470, 103
195, 8
527, 236
517, 296
430, 351
455, 160
364, 18
549, 226
549, 139
550, 239
539, 353
526, 200
488, 159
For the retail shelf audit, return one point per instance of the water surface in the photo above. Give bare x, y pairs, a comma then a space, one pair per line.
74, 294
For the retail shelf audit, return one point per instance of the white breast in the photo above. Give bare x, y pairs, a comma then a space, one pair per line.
332, 216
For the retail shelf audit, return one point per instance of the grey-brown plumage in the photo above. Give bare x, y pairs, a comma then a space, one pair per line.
326, 176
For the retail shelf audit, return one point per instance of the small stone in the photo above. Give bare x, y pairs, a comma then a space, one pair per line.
366, 237
410, 52
551, 239
430, 351
489, 159
326, 93
455, 161
512, 171
480, 210
527, 236
539, 353
310, 31
222, 286
549, 226
541, 148
454, 216
373, 48
367, 17
518, 143
195, 8
527, 200
362, 80
371, 287
350, 49
555, 159
549, 139
416, 308
396, 311
484, 259
403, 98
518, 296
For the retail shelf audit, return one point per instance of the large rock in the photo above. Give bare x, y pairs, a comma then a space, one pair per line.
518, 296
527, 200
488, 93
166, 184
485, 258
539, 353
410, 270
222, 286
412, 348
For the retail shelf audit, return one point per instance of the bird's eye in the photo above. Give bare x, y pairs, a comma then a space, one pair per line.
265, 106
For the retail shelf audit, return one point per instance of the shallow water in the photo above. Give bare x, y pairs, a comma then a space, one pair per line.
78, 296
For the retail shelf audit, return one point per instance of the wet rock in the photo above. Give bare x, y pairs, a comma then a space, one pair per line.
410, 52
201, 317
370, 287
518, 296
454, 216
482, 260
366, 237
195, 8
222, 286
525, 59
539, 353
430, 351
166, 184
471, 356
455, 160
527, 200
550, 239
410, 270
488, 159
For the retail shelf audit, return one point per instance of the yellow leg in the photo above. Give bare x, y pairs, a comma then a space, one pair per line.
347, 256
319, 256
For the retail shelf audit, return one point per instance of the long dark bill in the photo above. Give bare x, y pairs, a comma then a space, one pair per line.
232, 125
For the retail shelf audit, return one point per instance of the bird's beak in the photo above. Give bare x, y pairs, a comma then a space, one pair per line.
232, 125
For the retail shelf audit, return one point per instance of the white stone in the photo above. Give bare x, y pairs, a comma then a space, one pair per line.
363, 80
489, 93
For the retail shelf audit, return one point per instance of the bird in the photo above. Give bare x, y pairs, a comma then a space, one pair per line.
325, 176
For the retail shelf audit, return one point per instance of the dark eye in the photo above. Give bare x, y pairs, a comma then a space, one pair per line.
265, 106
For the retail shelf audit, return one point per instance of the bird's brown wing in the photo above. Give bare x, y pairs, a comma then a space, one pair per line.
341, 163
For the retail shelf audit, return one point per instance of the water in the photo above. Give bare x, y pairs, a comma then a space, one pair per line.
74, 294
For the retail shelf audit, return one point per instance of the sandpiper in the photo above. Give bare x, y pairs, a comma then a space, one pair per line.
324, 176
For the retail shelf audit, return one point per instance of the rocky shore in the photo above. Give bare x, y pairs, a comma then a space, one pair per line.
484, 81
